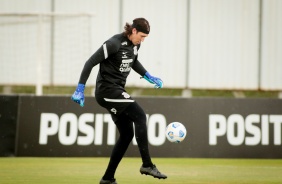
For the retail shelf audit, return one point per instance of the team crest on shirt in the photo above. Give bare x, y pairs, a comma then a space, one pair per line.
135, 50
125, 95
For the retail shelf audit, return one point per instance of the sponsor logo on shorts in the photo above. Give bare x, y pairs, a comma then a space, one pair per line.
113, 110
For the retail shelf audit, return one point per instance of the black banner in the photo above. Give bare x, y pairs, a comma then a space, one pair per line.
8, 122
216, 127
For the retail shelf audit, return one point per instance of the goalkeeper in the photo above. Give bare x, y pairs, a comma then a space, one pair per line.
116, 57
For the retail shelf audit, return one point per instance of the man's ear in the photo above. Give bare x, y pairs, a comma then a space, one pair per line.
134, 30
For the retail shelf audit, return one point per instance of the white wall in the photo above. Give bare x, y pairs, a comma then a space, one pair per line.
223, 50
271, 55
206, 44
19, 44
163, 53
72, 54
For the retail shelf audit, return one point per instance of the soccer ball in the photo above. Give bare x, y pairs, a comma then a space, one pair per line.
175, 132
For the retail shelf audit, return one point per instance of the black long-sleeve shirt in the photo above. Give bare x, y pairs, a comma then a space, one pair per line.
116, 58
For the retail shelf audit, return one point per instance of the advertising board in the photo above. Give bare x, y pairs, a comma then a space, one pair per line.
216, 127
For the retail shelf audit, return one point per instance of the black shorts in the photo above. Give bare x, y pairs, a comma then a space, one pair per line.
115, 102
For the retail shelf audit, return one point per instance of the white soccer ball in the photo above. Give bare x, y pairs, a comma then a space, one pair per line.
175, 132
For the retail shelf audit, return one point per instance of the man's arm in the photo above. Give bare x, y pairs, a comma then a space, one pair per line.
100, 55
138, 67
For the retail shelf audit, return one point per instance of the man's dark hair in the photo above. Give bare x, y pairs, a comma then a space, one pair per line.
141, 24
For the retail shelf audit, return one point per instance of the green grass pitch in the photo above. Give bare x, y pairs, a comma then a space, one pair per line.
179, 170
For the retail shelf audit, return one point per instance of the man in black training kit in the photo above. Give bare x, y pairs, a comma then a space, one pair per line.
116, 57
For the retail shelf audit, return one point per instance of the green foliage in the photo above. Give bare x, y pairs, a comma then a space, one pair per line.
212, 93
167, 92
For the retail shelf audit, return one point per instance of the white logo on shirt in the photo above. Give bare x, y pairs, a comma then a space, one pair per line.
125, 65
124, 43
125, 95
124, 55
135, 50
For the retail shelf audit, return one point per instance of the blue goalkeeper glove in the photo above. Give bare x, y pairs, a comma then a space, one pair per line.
154, 80
78, 95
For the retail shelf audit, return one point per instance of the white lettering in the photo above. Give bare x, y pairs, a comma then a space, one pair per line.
154, 120
98, 129
276, 120
217, 127
264, 130
235, 120
47, 129
86, 129
125, 65
253, 130
68, 121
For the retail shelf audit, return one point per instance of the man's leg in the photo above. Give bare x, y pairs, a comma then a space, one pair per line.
138, 116
125, 128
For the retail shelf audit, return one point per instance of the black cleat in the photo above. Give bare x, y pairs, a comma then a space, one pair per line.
111, 181
153, 171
